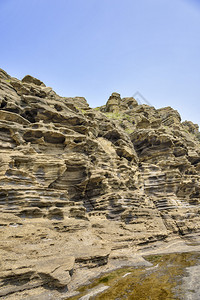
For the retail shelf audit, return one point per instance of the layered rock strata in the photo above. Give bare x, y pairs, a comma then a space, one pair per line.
79, 186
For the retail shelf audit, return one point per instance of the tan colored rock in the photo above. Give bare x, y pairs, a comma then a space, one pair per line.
30, 79
113, 103
81, 188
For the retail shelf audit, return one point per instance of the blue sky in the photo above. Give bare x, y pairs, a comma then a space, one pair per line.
92, 48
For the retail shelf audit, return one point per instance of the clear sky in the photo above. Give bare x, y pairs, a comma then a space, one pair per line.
92, 48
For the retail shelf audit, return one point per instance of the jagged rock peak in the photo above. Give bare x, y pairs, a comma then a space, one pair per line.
4, 75
30, 79
116, 104
191, 127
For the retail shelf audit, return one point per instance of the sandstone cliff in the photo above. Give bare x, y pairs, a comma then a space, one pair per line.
81, 187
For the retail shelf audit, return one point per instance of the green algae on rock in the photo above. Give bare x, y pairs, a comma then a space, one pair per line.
160, 281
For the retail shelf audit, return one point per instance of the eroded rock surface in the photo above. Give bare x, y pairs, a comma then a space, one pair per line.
80, 186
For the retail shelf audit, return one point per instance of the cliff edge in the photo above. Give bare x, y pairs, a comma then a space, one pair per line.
82, 188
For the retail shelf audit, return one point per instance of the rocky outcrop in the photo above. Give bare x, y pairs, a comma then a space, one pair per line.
78, 185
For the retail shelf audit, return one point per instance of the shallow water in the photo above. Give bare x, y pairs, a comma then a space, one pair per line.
171, 276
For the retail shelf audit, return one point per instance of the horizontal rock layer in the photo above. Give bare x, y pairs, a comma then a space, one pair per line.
78, 184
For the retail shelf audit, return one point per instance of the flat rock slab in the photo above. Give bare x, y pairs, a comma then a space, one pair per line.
94, 292
191, 284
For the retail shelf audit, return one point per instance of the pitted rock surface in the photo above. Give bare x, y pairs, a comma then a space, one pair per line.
78, 185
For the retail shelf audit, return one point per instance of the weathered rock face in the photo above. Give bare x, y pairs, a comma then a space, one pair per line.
78, 185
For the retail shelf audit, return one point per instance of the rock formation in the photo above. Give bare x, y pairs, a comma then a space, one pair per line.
82, 186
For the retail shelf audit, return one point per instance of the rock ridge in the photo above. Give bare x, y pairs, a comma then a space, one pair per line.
79, 185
